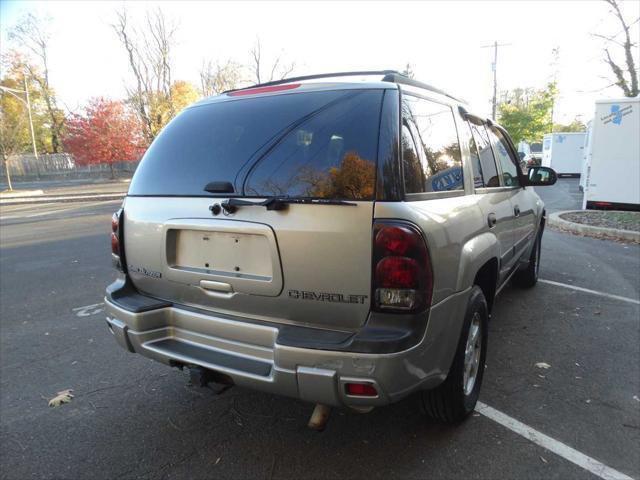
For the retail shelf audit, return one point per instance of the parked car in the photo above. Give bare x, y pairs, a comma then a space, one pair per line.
336, 241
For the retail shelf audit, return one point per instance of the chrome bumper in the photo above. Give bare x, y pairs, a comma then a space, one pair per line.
250, 355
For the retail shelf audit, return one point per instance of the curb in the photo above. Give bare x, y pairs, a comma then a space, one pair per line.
21, 194
63, 198
589, 230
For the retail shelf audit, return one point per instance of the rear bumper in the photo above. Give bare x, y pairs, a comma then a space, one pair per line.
250, 354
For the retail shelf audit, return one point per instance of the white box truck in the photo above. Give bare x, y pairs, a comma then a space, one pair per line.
613, 159
563, 152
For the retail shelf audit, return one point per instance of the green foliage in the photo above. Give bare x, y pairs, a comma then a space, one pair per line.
526, 113
575, 126
15, 137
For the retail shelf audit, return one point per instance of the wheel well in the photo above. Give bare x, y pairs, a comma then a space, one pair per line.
487, 280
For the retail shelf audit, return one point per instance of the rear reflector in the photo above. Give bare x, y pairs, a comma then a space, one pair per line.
258, 90
361, 390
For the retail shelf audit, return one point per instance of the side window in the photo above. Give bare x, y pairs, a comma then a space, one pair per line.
474, 155
504, 156
487, 161
437, 143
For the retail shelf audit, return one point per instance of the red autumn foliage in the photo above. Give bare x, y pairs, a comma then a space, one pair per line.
107, 132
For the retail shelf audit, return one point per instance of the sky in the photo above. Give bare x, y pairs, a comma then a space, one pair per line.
442, 40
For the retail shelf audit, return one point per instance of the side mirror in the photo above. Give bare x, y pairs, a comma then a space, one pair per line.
541, 176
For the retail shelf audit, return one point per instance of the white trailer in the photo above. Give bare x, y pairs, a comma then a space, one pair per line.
563, 152
613, 159
585, 156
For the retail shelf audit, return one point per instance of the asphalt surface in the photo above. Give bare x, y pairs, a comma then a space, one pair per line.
133, 418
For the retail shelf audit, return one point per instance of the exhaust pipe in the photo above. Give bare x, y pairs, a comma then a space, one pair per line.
319, 417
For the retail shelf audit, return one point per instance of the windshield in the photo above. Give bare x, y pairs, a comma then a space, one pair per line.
317, 144
536, 147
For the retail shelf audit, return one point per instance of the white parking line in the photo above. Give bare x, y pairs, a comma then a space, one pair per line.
580, 459
593, 292
88, 310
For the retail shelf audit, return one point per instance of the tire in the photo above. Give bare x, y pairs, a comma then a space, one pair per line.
452, 401
528, 277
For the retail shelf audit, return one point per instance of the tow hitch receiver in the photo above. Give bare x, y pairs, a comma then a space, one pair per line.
201, 377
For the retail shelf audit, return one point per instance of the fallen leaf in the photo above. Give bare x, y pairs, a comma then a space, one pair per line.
64, 396
543, 365
577, 364
588, 400
218, 460
635, 397
543, 459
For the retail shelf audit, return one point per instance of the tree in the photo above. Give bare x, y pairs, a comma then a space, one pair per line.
105, 133
217, 78
574, 126
625, 73
31, 35
526, 113
16, 69
149, 55
278, 68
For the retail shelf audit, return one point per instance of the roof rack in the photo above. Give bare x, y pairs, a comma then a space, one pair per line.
392, 76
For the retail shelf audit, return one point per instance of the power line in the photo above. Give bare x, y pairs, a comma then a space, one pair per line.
495, 73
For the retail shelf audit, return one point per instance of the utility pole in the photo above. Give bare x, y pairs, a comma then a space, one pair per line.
494, 67
33, 136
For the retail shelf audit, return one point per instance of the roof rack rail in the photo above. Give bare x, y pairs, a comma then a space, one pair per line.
396, 77
316, 76
391, 76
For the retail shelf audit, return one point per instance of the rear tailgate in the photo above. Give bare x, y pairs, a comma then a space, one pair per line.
307, 264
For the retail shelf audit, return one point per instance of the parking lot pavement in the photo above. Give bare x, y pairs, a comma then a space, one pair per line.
564, 195
133, 418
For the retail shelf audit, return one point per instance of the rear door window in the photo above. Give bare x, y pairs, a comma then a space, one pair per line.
313, 143
438, 146
330, 155
476, 165
503, 153
485, 153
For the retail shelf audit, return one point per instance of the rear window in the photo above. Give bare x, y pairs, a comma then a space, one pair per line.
536, 147
316, 144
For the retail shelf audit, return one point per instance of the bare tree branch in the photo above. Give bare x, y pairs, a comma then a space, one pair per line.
149, 55
630, 86
278, 68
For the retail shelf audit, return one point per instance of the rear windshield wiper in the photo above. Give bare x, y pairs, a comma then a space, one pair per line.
279, 203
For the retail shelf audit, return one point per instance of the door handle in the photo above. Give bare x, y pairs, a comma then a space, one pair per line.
516, 211
492, 220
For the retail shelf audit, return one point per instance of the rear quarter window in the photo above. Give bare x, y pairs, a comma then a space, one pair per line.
438, 146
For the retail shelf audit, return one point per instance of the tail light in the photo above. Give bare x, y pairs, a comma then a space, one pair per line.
117, 254
402, 275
